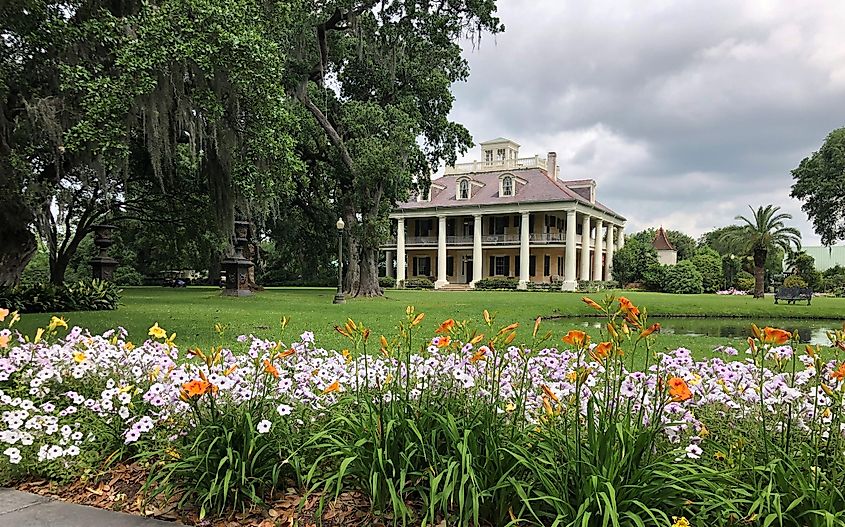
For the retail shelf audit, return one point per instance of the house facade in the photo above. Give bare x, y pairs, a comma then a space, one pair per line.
504, 216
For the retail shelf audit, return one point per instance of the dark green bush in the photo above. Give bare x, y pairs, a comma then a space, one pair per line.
745, 281
125, 275
419, 283
794, 280
497, 283
592, 286
654, 277
387, 282
709, 264
89, 295
683, 278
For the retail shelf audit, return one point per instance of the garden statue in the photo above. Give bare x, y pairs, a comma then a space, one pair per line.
103, 265
237, 267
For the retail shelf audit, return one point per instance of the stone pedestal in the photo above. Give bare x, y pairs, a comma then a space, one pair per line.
103, 265
237, 267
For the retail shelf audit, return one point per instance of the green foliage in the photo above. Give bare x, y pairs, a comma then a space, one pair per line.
745, 281
820, 184
709, 264
44, 297
387, 282
631, 262
794, 280
497, 283
683, 278
125, 275
804, 266
590, 286
683, 243
418, 283
654, 277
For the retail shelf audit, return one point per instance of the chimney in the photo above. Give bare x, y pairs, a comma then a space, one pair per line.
551, 166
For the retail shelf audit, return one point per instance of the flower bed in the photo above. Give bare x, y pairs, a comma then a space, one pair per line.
475, 424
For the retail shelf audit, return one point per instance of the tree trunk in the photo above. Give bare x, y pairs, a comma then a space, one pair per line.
759, 272
58, 268
368, 284
18, 241
352, 274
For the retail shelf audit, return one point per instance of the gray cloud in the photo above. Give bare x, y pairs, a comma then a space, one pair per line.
683, 111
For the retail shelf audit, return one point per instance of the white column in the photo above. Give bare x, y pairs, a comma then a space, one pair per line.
597, 267
400, 252
477, 255
608, 262
442, 279
585, 248
524, 252
569, 283
388, 263
620, 237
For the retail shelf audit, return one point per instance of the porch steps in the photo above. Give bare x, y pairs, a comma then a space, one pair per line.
455, 287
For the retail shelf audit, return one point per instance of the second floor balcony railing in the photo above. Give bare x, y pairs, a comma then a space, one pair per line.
486, 239
497, 165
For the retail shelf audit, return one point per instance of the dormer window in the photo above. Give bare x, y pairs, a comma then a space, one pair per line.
424, 196
463, 189
507, 186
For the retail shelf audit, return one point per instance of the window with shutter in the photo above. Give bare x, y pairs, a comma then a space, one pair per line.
532, 265
507, 265
450, 265
516, 264
492, 270
547, 264
415, 266
531, 223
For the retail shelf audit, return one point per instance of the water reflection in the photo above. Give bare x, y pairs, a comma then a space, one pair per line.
809, 331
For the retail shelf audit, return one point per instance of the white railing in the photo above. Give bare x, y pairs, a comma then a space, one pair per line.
486, 239
497, 166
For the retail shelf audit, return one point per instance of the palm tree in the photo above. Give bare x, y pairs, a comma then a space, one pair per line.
764, 231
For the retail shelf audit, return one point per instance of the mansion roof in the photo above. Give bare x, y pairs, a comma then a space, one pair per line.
531, 185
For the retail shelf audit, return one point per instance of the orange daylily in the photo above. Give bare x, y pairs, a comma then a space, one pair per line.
592, 303
511, 327
651, 329
287, 353
549, 393
445, 327
678, 389
839, 373
479, 355
628, 308
419, 318
776, 336
3, 314
444, 341
196, 387
577, 338
333, 387
601, 350
269, 368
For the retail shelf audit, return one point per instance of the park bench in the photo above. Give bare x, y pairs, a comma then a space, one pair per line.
793, 294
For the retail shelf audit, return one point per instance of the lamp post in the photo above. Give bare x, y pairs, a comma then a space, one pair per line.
338, 297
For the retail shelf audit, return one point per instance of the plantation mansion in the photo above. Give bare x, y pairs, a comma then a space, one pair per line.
504, 216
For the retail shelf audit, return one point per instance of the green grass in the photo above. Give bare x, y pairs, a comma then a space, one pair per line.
192, 313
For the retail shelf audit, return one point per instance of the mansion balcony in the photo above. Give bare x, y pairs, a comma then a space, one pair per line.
492, 240
496, 165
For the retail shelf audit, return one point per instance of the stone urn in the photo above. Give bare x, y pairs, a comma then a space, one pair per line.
103, 265
236, 266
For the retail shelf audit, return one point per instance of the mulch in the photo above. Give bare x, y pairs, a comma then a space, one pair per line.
120, 489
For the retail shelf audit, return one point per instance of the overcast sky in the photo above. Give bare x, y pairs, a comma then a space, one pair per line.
684, 112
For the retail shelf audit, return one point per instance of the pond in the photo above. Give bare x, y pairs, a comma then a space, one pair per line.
810, 331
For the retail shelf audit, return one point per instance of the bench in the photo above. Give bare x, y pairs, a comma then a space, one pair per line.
793, 294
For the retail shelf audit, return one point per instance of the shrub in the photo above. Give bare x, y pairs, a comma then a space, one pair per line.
745, 281
709, 264
631, 261
125, 275
418, 283
90, 295
591, 286
683, 278
497, 283
794, 280
387, 282
654, 277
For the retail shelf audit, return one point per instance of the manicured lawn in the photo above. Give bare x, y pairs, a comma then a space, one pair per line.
192, 313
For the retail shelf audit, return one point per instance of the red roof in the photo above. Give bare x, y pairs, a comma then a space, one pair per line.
537, 189
661, 241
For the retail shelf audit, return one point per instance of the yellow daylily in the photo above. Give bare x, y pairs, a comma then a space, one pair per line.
57, 322
78, 356
157, 332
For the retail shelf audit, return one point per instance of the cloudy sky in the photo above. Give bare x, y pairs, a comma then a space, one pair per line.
684, 112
